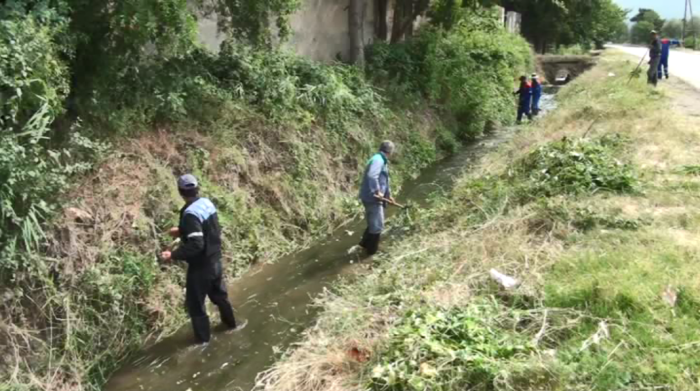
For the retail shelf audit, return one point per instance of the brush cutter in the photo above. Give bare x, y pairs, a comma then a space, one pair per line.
636, 72
390, 202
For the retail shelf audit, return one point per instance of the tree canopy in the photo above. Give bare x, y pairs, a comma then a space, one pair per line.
567, 22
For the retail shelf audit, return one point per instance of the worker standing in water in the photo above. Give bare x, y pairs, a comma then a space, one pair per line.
524, 99
200, 236
536, 94
663, 63
375, 191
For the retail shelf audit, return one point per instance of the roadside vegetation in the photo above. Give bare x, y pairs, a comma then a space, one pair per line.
103, 104
593, 211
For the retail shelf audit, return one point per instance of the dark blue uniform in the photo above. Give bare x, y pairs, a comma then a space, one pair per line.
536, 95
524, 100
663, 63
200, 236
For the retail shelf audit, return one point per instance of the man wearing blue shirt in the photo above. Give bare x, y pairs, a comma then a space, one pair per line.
663, 64
375, 187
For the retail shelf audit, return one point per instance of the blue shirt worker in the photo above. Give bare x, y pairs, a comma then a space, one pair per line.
200, 247
375, 187
536, 94
524, 99
663, 63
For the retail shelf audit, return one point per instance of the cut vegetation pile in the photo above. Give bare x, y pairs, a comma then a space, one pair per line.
593, 211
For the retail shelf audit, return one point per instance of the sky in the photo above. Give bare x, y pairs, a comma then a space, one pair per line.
666, 8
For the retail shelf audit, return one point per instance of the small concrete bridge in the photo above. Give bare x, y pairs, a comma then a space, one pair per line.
557, 67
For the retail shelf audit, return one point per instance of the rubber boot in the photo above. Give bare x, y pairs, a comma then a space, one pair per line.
365, 238
200, 325
226, 312
373, 243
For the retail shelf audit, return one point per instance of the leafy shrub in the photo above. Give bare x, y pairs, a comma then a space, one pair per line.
462, 348
470, 71
32, 73
31, 175
575, 166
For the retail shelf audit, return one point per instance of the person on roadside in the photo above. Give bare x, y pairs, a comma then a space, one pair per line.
524, 99
200, 247
375, 191
663, 62
536, 94
654, 58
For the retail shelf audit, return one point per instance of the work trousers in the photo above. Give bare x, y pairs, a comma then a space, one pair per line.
652, 73
374, 214
663, 66
524, 109
199, 286
535, 105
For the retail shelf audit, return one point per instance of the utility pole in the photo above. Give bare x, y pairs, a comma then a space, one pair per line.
692, 27
685, 16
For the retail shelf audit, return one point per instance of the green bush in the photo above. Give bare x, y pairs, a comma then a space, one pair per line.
469, 71
572, 166
32, 73
463, 348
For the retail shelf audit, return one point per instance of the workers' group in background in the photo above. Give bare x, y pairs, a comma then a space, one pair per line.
529, 94
659, 51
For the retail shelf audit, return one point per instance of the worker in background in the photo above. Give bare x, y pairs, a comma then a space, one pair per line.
374, 190
536, 94
524, 99
200, 247
663, 63
654, 58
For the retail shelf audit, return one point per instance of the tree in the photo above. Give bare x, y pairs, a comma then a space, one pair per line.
640, 32
622, 33
649, 15
251, 19
567, 22
673, 28
357, 49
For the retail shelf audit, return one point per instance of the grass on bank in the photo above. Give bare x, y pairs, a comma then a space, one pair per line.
603, 238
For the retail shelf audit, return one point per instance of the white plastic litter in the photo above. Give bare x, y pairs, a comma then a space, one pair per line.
601, 334
611, 74
505, 281
354, 249
670, 296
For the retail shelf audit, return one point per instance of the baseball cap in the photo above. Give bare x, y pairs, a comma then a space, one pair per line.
534, 76
654, 32
187, 181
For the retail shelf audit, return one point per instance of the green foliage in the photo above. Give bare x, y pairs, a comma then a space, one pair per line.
645, 21
692, 170
287, 87
641, 32
32, 72
571, 50
568, 22
455, 349
469, 71
574, 167
250, 19
585, 218
447, 14
673, 28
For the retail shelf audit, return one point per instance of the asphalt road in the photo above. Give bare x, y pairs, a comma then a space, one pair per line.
682, 64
